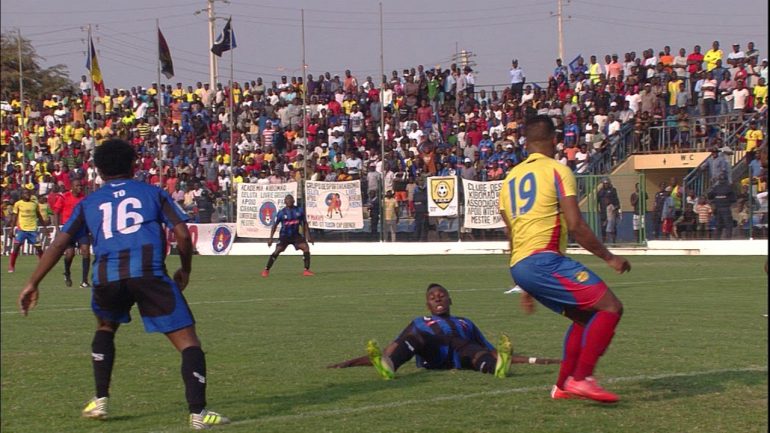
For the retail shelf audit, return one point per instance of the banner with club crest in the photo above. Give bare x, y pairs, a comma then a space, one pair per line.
442, 196
334, 205
257, 206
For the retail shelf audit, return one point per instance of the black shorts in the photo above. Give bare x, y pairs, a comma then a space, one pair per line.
77, 242
161, 304
437, 352
295, 240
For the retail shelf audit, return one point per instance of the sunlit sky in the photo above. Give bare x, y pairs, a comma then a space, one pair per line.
342, 34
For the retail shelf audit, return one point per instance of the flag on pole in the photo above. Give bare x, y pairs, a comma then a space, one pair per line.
225, 41
574, 63
166, 64
92, 64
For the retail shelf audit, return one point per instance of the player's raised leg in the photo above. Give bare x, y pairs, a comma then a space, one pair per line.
381, 363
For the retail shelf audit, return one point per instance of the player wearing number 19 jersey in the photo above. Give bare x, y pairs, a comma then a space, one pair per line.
538, 202
126, 219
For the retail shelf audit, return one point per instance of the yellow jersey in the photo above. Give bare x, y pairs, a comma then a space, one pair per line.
26, 212
530, 198
753, 138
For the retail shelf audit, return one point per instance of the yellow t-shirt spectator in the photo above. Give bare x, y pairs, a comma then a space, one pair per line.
711, 58
753, 138
760, 95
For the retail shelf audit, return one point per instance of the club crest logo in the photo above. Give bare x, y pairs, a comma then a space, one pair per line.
442, 192
267, 213
222, 239
581, 277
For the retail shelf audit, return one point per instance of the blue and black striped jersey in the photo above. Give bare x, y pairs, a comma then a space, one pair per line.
291, 220
447, 335
126, 219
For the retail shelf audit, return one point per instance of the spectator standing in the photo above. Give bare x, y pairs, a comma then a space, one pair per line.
518, 78
421, 210
722, 197
390, 214
638, 206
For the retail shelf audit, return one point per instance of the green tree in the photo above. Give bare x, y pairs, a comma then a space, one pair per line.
38, 81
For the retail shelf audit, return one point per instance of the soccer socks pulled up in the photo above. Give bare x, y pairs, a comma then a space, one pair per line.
86, 268
67, 264
14, 255
102, 360
194, 377
271, 261
596, 337
572, 341
306, 256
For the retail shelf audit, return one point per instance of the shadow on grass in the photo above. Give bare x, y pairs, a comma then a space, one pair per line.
681, 387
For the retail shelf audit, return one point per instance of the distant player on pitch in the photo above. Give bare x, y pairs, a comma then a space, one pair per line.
64, 208
26, 213
292, 219
539, 205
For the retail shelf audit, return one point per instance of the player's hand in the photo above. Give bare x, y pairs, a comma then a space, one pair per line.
527, 303
28, 298
619, 263
181, 278
269, 243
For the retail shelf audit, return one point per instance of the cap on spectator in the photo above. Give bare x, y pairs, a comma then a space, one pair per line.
509, 146
764, 60
485, 133
324, 144
736, 45
613, 104
467, 160
668, 189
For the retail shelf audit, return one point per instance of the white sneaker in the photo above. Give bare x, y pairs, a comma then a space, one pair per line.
206, 420
96, 408
514, 289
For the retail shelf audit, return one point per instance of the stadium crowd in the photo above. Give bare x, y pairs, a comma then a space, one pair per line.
436, 122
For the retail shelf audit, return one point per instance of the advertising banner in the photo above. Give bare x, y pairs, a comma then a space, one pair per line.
334, 205
257, 206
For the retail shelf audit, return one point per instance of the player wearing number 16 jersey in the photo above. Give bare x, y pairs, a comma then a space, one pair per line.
126, 219
539, 205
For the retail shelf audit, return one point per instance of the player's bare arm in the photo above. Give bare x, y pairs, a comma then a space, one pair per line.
272, 233
29, 294
585, 237
306, 231
185, 248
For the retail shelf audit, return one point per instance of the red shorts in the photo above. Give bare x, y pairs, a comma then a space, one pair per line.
401, 195
668, 225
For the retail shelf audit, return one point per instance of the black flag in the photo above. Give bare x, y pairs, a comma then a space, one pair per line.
225, 41
166, 64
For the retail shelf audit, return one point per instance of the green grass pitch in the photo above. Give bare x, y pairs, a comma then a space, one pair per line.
690, 354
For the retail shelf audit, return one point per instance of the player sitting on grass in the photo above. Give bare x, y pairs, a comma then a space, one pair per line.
442, 342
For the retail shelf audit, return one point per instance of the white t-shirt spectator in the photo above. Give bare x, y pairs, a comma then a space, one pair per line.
740, 96
633, 102
581, 161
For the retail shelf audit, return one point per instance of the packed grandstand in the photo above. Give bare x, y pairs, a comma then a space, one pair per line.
428, 121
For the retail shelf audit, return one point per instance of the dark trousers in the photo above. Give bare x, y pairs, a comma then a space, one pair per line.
421, 226
724, 224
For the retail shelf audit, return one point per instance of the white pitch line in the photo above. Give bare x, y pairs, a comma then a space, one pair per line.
453, 397
238, 301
